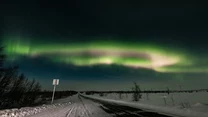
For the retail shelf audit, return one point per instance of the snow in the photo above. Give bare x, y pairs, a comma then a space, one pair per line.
157, 106
78, 108
66, 107
195, 105
186, 101
27, 111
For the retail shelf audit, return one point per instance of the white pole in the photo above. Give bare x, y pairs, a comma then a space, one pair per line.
54, 88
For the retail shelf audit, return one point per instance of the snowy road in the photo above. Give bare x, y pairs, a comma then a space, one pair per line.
79, 108
82, 107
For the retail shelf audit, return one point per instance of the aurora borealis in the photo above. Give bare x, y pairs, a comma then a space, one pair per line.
93, 53
134, 55
95, 43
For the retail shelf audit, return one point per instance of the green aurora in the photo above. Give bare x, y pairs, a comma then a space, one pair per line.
135, 55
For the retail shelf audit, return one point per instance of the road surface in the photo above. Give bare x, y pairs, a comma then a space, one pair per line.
82, 107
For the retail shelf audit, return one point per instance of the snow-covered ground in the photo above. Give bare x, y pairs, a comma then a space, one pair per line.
184, 101
79, 108
183, 104
66, 107
27, 111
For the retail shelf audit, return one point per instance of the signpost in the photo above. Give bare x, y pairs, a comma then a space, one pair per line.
55, 82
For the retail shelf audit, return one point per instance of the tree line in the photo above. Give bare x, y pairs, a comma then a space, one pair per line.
46, 95
136, 92
145, 91
15, 89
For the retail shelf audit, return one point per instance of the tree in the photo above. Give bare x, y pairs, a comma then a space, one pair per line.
33, 88
15, 89
136, 92
7, 80
18, 89
2, 57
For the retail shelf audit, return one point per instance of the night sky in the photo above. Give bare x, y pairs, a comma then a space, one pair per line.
107, 44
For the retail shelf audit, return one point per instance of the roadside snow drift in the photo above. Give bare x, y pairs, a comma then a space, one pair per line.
26, 111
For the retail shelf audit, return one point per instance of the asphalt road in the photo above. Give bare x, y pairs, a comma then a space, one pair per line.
124, 111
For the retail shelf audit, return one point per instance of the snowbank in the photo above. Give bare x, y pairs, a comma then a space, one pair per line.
26, 111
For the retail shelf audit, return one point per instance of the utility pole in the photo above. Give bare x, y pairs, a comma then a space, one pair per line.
55, 82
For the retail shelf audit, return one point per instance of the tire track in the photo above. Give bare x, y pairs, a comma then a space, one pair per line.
69, 112
88, 113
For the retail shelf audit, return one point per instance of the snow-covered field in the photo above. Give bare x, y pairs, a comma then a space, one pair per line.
185, 101
165, 109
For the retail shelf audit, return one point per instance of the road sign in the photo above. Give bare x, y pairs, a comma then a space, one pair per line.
55, 81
